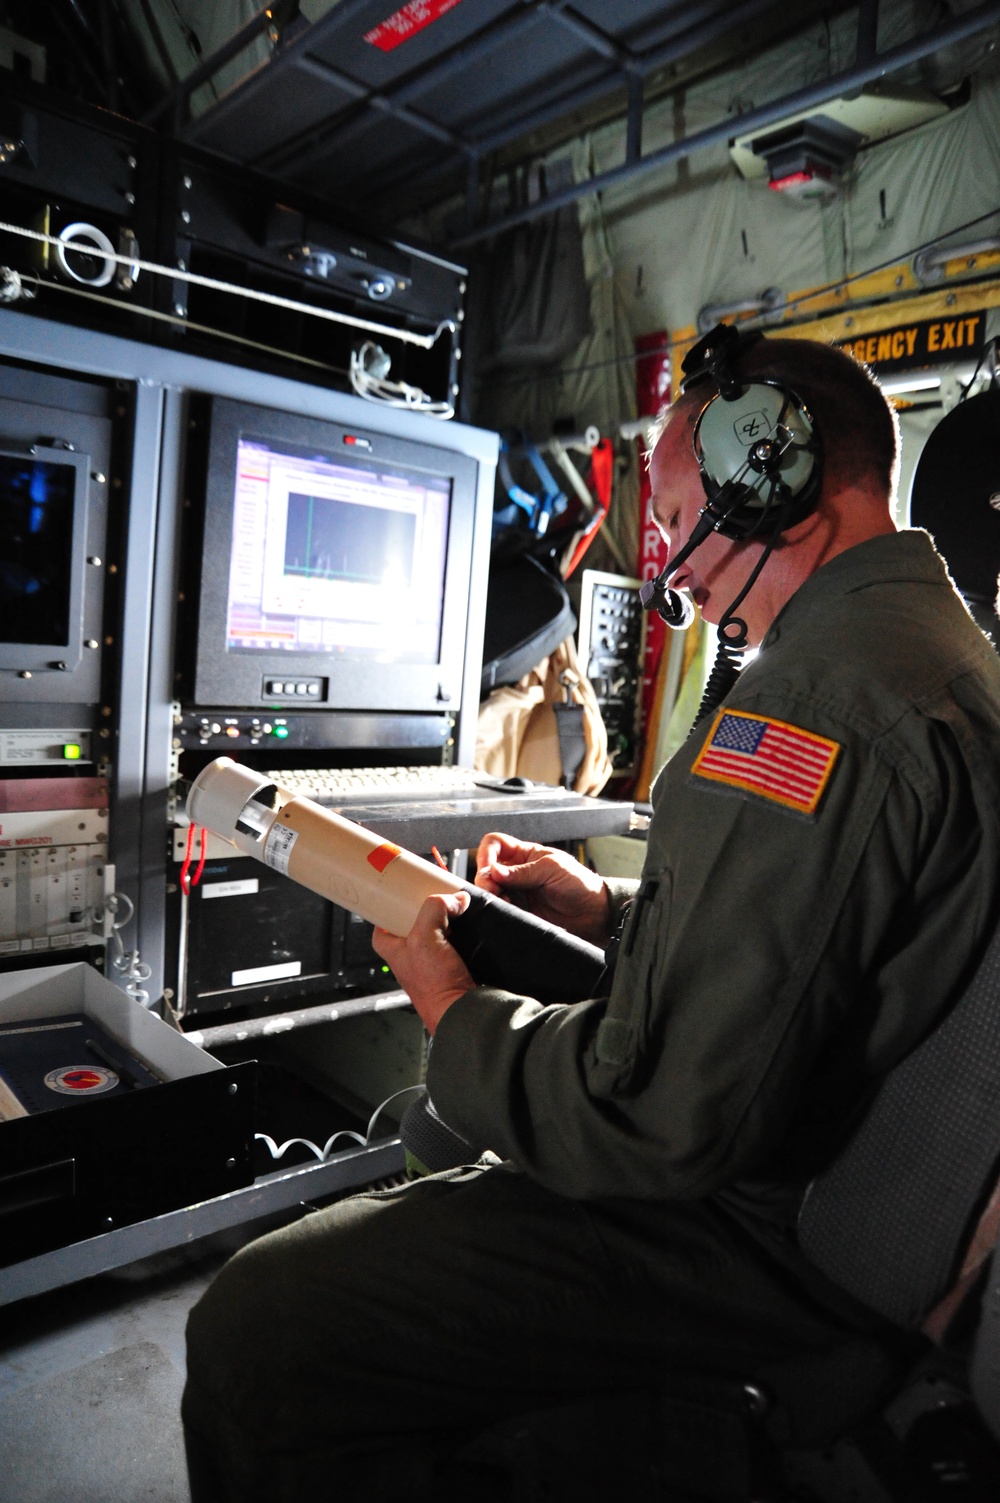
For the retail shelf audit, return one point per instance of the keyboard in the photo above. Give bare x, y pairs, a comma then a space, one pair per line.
339, 785
452, 807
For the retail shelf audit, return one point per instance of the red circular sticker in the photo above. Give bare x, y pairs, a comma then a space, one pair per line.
81, 1080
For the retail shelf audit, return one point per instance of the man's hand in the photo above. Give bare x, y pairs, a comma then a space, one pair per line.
547, 883
426, 966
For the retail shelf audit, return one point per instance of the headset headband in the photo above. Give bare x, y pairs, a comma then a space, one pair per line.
714, 358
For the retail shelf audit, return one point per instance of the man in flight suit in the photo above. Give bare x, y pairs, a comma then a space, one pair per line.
822, 872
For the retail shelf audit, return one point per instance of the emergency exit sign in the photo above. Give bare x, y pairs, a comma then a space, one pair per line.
930, 341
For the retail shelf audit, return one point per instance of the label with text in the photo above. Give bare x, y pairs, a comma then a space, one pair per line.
278, 848
931, 341
406, 22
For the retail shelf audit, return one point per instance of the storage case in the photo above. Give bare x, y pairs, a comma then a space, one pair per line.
102, 1163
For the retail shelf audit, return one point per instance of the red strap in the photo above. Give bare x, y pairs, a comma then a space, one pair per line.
186, 880
203, 837
602, 464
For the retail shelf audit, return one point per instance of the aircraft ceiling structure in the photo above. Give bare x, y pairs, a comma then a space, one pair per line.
393, 110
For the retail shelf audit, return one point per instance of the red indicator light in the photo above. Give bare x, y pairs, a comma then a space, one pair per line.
793, 180
349, 438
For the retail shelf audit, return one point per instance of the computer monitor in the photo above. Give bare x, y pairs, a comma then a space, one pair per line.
43, 533
336, 566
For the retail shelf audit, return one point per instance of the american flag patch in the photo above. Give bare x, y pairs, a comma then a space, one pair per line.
769, 757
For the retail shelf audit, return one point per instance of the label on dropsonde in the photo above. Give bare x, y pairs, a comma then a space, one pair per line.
278, 848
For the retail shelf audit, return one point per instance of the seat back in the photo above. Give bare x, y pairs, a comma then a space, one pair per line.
890, 1219
984, 1378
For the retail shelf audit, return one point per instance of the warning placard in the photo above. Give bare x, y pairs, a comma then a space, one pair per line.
406, 22
930, 341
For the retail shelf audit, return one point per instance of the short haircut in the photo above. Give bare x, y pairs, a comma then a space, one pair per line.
858, 428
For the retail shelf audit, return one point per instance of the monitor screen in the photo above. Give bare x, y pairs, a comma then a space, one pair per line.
36, 550
335, 555
335, 563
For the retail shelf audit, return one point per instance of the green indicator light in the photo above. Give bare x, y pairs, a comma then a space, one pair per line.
72, 752
281, 731
385, 970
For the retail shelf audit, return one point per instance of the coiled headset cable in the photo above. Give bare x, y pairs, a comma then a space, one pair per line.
732, 629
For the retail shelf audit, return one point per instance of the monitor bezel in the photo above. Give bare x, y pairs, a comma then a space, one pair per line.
37, 657
232, 678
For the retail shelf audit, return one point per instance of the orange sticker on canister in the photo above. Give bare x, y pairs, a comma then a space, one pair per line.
380, 857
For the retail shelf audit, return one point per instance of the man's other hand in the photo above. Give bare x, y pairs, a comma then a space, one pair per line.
545, 882
426, 966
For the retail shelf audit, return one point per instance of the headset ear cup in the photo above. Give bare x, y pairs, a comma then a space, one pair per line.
759, 457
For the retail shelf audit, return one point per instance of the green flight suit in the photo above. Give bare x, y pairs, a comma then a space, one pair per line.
780, 962
657, 1143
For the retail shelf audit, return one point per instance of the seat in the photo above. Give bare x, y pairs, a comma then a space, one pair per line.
907, 1220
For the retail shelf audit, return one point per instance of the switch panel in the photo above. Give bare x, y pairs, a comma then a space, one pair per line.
610, 649
52, 863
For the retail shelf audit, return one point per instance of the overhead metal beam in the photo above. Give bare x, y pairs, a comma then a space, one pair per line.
867, 31
286, 57
326, 134
304, 148
633, 129
692, 39
176, 99
593, 37
959, 30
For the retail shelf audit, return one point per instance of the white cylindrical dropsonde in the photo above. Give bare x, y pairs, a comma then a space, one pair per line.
500, 944
314, 846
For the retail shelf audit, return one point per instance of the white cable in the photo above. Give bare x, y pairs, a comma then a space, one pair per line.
188, 324
392, 393
127, 962
345, 1132
425, 341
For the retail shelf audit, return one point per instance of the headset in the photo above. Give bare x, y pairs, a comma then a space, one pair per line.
759, 456
760, 459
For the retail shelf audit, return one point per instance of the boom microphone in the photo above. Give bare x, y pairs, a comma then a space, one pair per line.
501, 945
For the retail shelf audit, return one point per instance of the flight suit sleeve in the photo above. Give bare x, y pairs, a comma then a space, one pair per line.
754, 931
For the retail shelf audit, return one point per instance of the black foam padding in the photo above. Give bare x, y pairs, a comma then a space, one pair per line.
528, 614
958, 473
890, 1220
505, 947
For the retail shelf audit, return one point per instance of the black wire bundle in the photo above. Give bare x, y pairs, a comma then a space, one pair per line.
733, 629
725, 671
